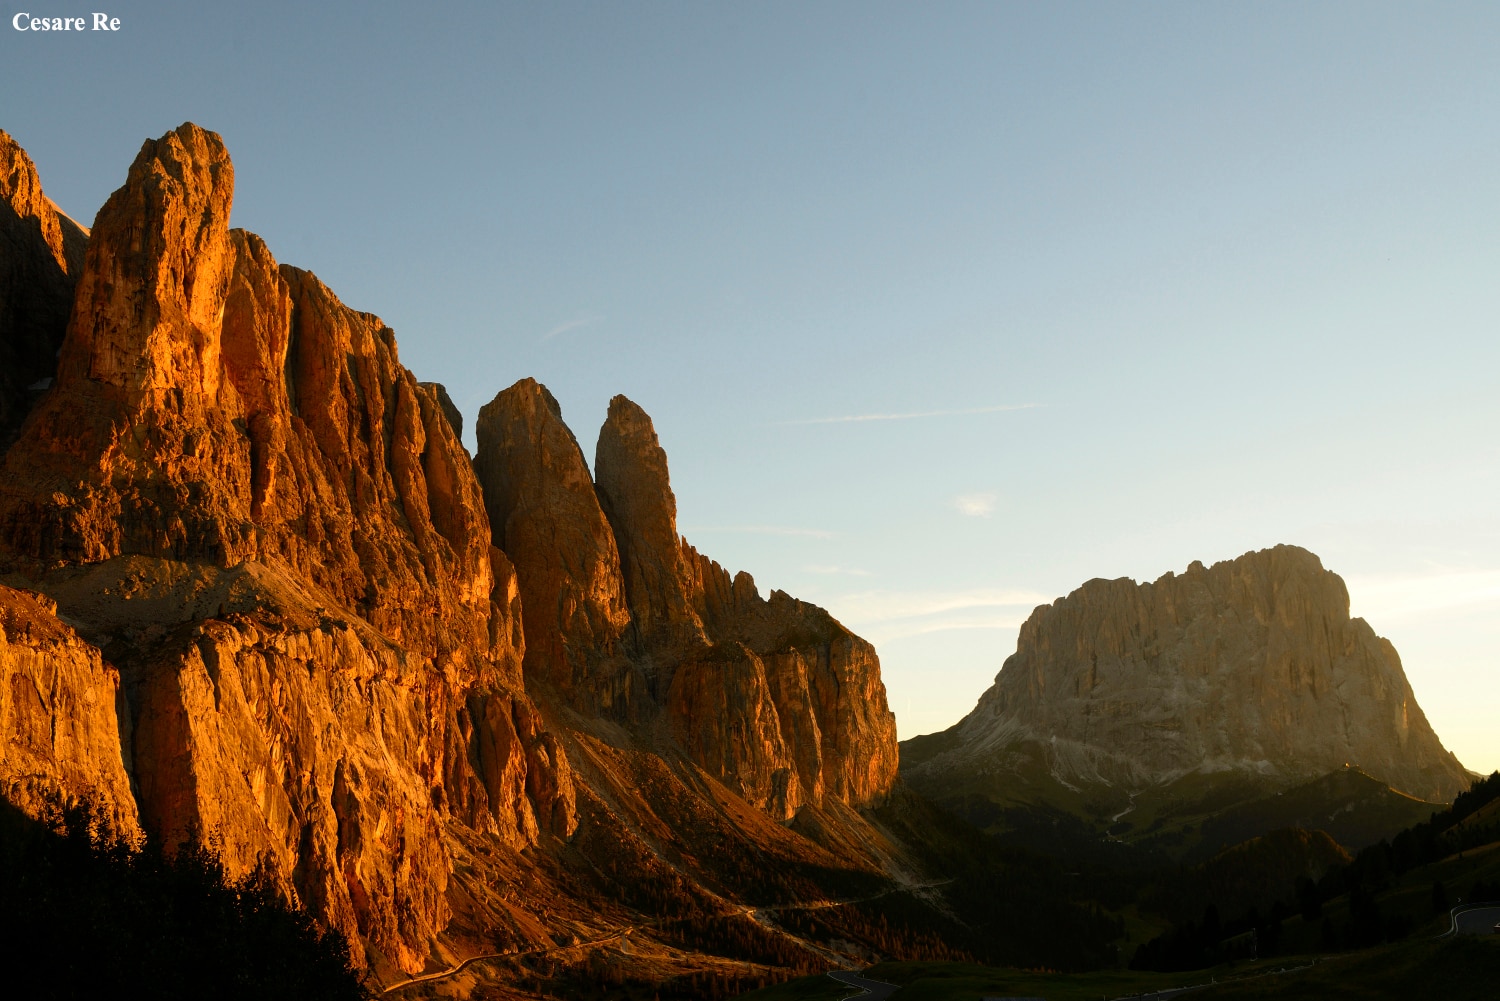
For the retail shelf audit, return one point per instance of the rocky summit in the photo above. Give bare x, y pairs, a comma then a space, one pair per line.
41, 255
257, 595
626, 620
1250, 669
494, 723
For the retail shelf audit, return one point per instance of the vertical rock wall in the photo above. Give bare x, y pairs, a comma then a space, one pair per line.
60, 716
303, 630
773, 698
1252, 664
41, 254
224, 425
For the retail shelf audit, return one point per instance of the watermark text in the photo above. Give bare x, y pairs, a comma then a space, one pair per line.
25, 21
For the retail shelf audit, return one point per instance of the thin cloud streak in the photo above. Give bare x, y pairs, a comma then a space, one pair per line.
902, 631
578, 324
887, 606
810, 533
915, 415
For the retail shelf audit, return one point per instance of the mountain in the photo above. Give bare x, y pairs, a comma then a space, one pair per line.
41, 255
1147, 708
258, 596
259, 603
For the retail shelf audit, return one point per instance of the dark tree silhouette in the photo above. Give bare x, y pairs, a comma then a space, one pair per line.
85, 918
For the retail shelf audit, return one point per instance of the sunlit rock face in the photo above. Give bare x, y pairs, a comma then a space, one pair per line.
773, 698
60, 743
802, 710
544, 514
1252, 665
41, 254
334, 671
210, 404
255, 596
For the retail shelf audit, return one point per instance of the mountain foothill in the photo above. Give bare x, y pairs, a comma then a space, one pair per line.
276, 648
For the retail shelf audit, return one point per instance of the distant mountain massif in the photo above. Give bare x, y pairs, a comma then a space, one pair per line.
1160, 712
257, 598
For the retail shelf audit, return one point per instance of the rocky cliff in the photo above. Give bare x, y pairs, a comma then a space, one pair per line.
271, 529
1250, 667
771, 697
41, 254
261, 598
59, 719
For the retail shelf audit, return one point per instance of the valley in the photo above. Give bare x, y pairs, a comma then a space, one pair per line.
487, 725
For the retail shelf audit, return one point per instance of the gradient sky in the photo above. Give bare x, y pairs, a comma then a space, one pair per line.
940, 309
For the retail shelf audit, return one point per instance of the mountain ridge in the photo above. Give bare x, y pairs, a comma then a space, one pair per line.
257, 597
268, 562
1247, 675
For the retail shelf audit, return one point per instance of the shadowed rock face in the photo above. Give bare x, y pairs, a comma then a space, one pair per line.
41, 254
1252, 665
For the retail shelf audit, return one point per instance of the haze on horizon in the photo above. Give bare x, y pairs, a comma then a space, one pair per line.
939, 312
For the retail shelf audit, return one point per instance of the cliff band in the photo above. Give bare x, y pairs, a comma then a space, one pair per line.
258, 595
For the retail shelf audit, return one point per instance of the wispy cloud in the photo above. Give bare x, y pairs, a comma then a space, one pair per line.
810, 533
578, 324
883, 616
914, 415
886, 606
885, 633
848, 571
975, 505
1380, 597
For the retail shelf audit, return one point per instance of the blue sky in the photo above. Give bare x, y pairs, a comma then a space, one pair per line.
1126, 285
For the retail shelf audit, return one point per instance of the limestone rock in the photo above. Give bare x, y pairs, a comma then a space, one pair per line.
298, 630
237, 490
450, 410
544, 514
808, 692
1250, 666
41, 254
723, 714
60, 713
636, 495
210, 404
146, 316
774, 699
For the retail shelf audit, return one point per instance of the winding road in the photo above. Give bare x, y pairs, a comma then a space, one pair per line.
876, 990
1476, 921
450, 971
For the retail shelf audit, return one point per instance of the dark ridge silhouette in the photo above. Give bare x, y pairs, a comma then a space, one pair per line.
1467, 824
